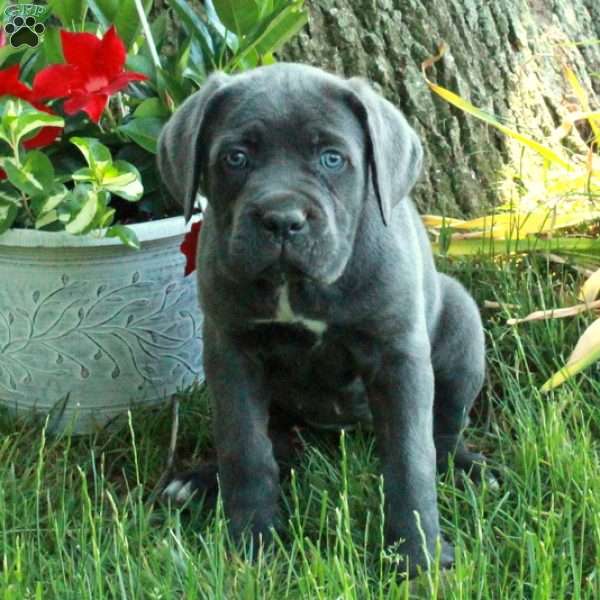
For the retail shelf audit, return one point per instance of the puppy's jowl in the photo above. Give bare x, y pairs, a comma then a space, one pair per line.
320, 294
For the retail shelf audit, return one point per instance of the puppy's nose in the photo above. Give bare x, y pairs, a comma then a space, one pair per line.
284, 222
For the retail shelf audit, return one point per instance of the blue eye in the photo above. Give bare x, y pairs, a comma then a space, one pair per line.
236, 159
332, 160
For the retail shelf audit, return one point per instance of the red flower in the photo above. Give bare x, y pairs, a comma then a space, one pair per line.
11, 86
189, 247
93, 73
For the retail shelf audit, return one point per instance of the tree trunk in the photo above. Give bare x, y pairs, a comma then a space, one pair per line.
505, 56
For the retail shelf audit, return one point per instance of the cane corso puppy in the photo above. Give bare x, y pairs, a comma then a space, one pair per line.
319, 290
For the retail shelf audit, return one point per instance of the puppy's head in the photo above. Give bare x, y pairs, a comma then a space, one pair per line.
287, 156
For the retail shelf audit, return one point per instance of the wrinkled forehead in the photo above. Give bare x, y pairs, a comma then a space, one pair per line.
288, 107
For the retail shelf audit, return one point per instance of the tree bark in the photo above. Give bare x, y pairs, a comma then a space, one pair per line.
505, 56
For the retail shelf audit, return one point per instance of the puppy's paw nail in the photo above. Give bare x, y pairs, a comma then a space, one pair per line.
173, 489
185, 493
493, 483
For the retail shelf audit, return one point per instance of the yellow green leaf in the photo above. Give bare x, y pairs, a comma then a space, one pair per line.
586, 352
487, 246
516, 225
555, 313
454, 99
589, 290
464, 105
438, 221
584, 101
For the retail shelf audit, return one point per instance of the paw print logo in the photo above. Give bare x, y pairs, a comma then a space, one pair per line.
24, 31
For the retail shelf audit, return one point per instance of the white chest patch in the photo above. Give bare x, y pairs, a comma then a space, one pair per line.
285, 314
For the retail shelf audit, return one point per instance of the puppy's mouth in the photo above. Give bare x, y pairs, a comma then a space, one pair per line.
286, 266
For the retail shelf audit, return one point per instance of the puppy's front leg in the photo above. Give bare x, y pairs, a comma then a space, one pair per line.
401, 400
248, 473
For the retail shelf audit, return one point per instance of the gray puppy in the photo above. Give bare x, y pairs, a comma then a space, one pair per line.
319, 290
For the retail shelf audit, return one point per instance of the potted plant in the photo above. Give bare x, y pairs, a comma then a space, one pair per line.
96, 313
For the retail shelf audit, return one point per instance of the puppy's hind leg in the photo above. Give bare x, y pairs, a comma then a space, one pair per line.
202, 482
459, 368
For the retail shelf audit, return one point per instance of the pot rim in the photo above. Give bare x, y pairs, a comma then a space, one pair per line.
148, 231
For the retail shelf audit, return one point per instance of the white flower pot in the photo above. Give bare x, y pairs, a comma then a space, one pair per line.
90, 328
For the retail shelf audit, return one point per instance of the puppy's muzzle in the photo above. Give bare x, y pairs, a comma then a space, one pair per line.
284, 223
280, 219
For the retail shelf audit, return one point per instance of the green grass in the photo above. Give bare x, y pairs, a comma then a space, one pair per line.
74, 521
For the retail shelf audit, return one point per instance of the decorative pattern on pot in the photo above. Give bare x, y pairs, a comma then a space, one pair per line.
89, 332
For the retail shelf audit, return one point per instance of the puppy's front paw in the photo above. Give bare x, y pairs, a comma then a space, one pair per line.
252, 539
447, 555
472, 464
475, 466
200, 483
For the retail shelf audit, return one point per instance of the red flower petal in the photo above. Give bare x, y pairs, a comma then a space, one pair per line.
56, 81
189, 246
45, 137
123, 81
112, 55
80, 49
92, 105
2, 175
10, 84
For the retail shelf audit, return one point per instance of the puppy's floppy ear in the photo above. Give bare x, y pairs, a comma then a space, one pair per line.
394, 152
179, 144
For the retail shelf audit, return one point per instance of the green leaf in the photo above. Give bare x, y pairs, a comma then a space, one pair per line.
70, 12
142, 64
97, 155
273, 33
104, 10
280, 27
48, 52
218, 33
46, 219
107, 218
85, 217
6, 52
20, 119
239, 16
51, 48
50, 201
124, 180
125, 234
8, 214
160, 30
144, 132
9, 195
33, 120
122, 14
151, 107
197, 30
23, 180
39, 165
247, 60
128, 23
104, 214
84, 174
